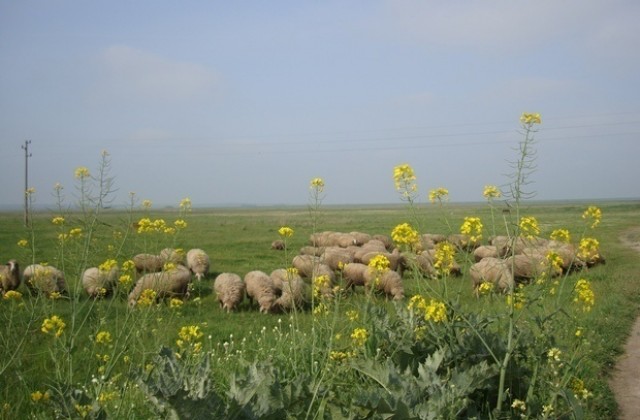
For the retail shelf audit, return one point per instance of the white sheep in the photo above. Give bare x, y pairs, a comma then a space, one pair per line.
44, 279
295, 295
171, 255
353, 275
492, 270
388, 281
198, 262
170, 283
230, 290
334, 257
147, 263
260, 288
99, 283
10, 276
484, 251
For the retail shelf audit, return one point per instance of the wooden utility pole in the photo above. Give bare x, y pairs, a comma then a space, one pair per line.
27, 155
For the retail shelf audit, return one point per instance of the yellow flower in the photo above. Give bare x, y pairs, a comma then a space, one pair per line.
168, 266
320, 284
554, 260
435, 311
405, 234
125, 280
517, 299
58, 220
12, 295
147, 298
185, 204
55, 295
359, 336
170, 230
529, 119
402, 175
54, 325
352, 315
147, 204
379, 263
285, 232
108, 265
39, 396
444, 259
128, 265
592, 215
561, 235
103, 337
75, 233
23, 243
175, 303
340, 356
180, 224
491, 191
472, 226
83, 410
320, 310
584, 294
317, 184
81, 172
485, 288
579, 390
519, 405
588, 250
190, 337
554, 354
529, 227
439, 194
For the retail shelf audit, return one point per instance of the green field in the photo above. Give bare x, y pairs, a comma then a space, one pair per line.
255, 365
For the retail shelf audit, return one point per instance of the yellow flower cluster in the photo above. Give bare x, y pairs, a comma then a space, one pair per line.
519, 405
561, 235
185, 204
589, 249
529, 227
352, 315
405, 234
83, 410
584, 294
168, 266
554, 354
529, 119
341, 356
81, 172
189, 337
379, 263
108, 265
54, 325
285, 232
320, 284
180, 224
12, 295
125, 280
433, 311
176, 303
146, 204
146, 225
359, 336
554, 260
439, 194
405, 181
58, 220
592, 215
490, 192
485, 288
444, 258
472, 226
317, 184
320, 309
147, 298
291, 272
39, 396
23, 243
517, 298
103, 337
579, 390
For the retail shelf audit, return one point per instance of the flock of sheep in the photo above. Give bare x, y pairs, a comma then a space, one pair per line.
318, 268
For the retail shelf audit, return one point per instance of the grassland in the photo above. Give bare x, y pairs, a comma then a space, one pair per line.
239, 240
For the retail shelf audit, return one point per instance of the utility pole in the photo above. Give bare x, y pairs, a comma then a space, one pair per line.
27, 155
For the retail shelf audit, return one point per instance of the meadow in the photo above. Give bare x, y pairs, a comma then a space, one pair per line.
544, 348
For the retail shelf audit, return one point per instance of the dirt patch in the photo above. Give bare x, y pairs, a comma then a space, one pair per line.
625, 381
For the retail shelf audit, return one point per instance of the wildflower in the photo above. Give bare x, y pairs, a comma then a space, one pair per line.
107, 396
435, 311
147, 204
485, 288
317, 184
292, 272
405, 234
320, 285
185, 204
519, 405
472, 226
188, 335
103, 337
588, 250
529, 119
180, 224
379, 263
125, 280
23, 243
83, 410
58, 187
147, 298
75, 233
444, 258
168, 266
402, 175
555, 261
579, 390
81, 172
547, 411
169, 230
54, 325
175, 303
126, 359
340, 356
359, 336
108, 265
12, 295
554, 354
128, 265
584, 294
439, 194
352, 315
159, 225
490, 192
39, 396
529, 227
593, 215
517, 299
55, 295
561, 235
578, 332
58, 220
417, 302
285, 232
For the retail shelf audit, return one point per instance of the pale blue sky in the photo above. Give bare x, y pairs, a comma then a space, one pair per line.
246, 102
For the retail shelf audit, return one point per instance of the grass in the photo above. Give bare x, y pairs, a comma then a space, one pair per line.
239, 240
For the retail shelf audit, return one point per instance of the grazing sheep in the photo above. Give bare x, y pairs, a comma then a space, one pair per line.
99, 283
568, 254
360, 238
531, 265
484, 251
295, 295
9, 276
311, 250
462, 241
278, 245
175, 256
421, 262
492, 270
384, 239
230, 290
147, 263
260, 288
373, 245
396, 259
44, 279
305, 264
170, 283
198, 262
389, 282
434, 237
353, 275
334, 257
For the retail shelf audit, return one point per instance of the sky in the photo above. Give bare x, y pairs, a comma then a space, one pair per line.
232, 103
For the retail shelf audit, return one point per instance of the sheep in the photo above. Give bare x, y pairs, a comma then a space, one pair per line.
260, 287
384, 239
360, 238
278, 245
230, 290
97, 282
10, 277
198, 262
462, 241
420, 262
45, 279
389, 282
295, 295
484, 251
492, 270
335, 256
312, 250
531, 265
305, 264
353, 275
147, 263
170, 255
171, 283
